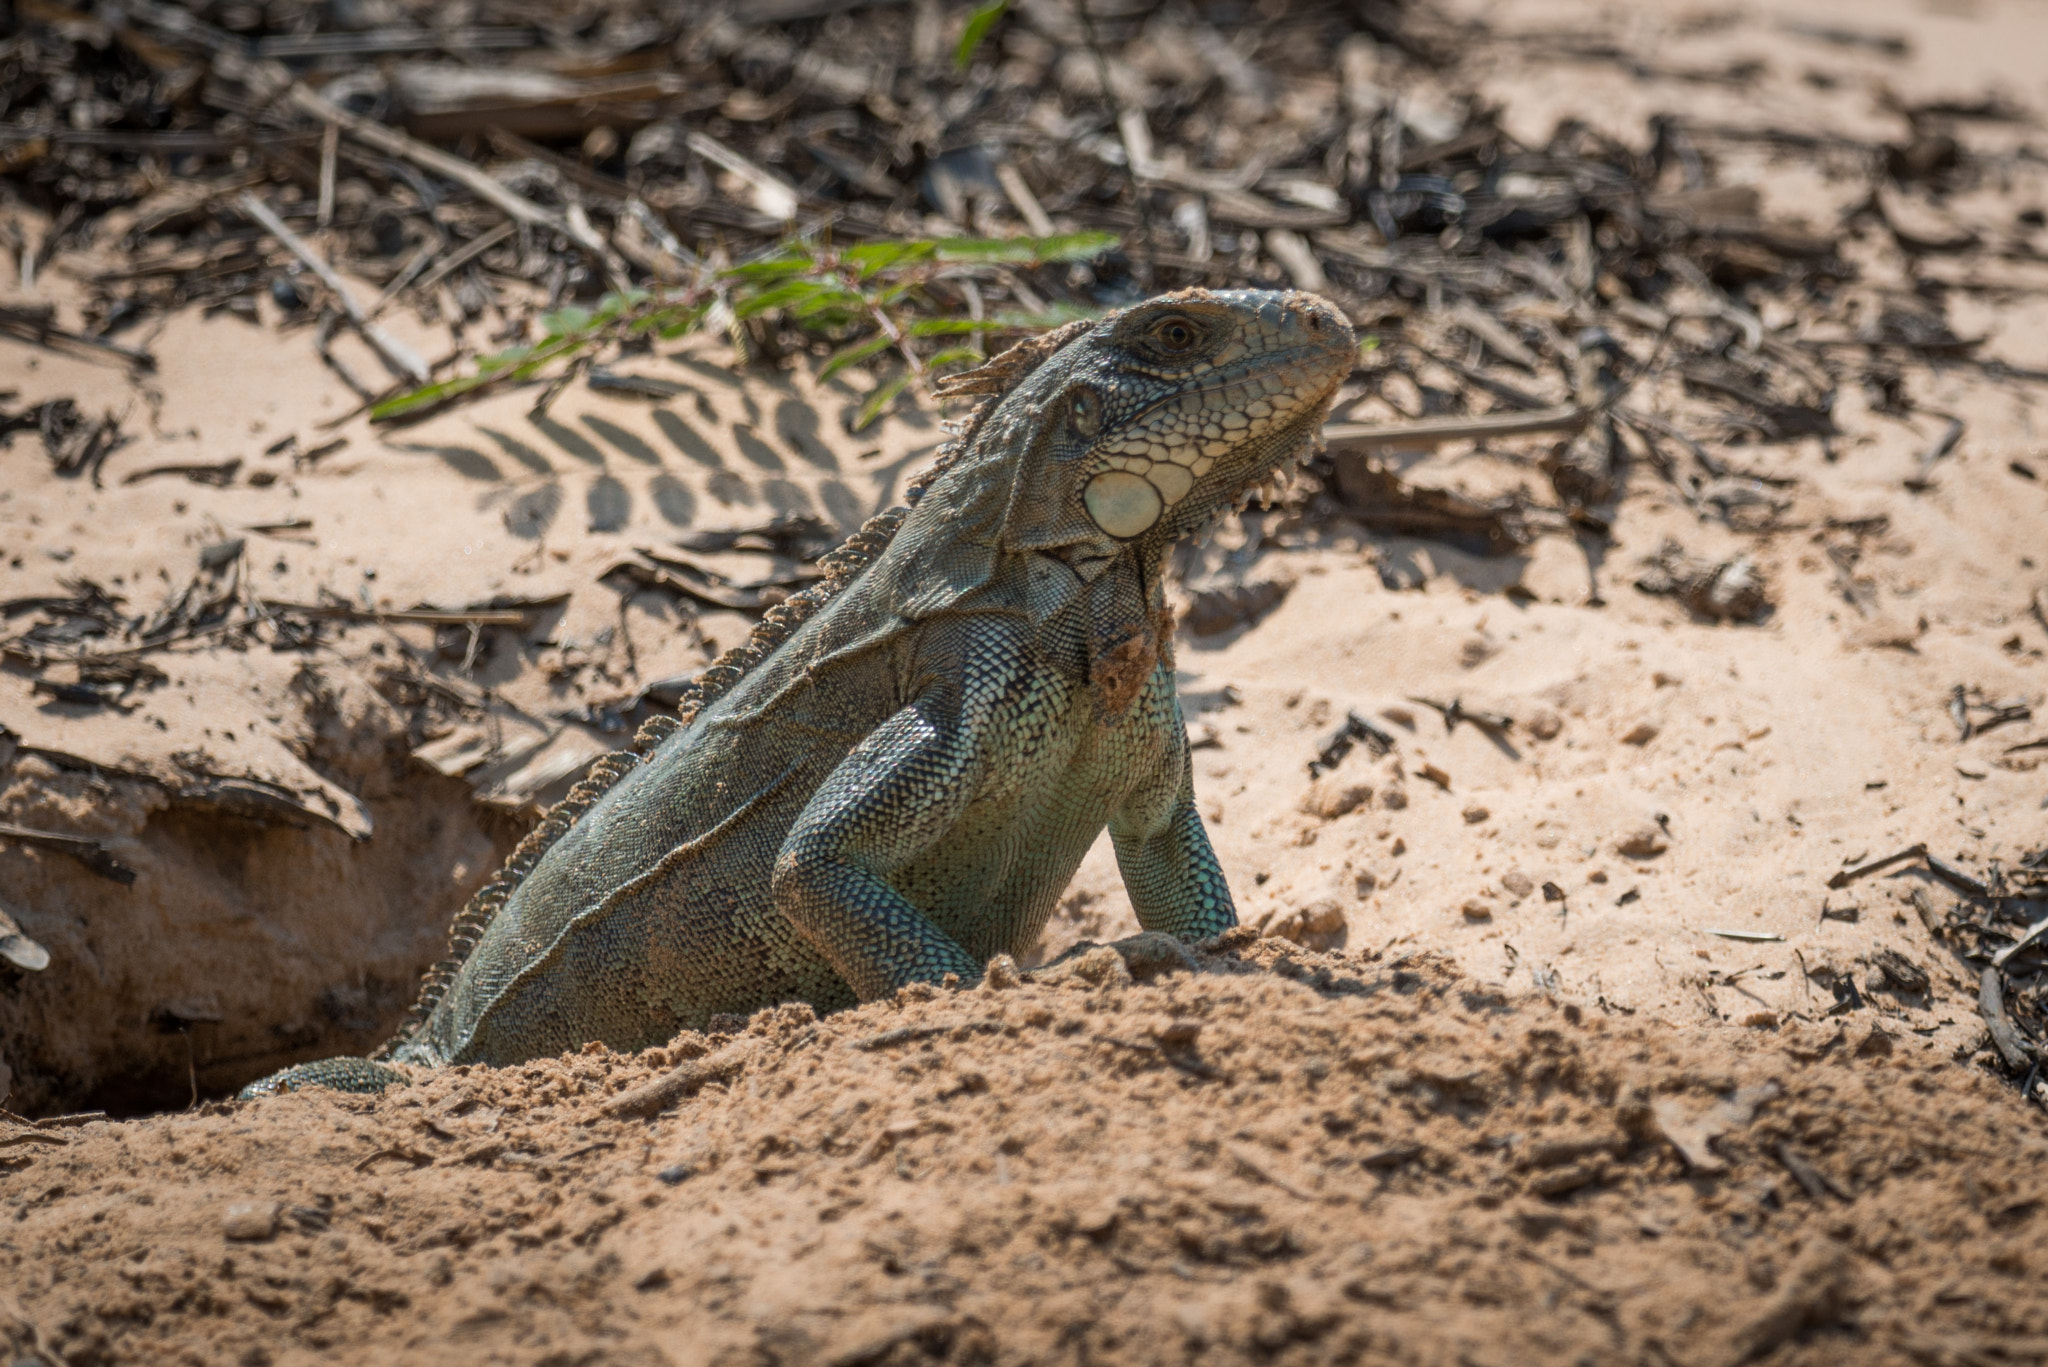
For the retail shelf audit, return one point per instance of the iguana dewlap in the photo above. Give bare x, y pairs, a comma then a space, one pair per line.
896, 778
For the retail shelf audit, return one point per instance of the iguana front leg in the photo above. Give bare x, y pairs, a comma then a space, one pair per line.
1169, 869
895, 795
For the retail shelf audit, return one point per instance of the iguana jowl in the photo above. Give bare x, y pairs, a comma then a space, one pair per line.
896, 778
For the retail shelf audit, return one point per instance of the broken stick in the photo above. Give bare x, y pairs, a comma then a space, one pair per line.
1848, 876
652, 1098
472, 178
401, 357
1435, 431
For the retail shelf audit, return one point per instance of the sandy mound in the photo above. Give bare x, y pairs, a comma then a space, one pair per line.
1282, 1157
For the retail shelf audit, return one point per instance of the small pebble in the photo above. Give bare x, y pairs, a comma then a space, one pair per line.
1645, 842
1097, 1220
676, 1174
1319, 925
1330, 799
250, 1221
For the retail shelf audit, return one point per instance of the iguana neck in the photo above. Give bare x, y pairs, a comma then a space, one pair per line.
1129, 630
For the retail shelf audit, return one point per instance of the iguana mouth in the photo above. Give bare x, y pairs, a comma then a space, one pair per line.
1268, 483
1268, 480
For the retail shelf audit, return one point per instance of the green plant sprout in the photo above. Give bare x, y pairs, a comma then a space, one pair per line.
979, 24
871, 298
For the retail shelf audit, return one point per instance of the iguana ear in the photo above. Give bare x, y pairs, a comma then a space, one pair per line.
1045, 510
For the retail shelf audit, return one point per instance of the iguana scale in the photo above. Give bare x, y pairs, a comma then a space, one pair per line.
895, 778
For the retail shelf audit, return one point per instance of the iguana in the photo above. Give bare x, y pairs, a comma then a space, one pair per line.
894, 779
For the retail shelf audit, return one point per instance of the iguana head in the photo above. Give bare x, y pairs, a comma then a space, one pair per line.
1138, 428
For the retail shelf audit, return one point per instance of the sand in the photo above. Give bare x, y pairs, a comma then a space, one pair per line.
1283, 1157
1461, 1134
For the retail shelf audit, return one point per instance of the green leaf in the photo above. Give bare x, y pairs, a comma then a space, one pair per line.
781, 296
426, 396
871, 257
566, 320
1368, 344
825, 290
618, 303
884, 395
658, 321
978, 25
954, 356
953, 327
688, 321
1027, 251
886, 294
853, 355
491, 365
841, 302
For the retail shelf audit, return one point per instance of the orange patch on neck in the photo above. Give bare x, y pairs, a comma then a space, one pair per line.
1119, 673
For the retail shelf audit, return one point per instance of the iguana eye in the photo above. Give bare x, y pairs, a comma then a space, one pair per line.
1085, 409
1174, 333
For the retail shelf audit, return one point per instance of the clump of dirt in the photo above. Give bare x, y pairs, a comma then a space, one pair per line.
1280, 1156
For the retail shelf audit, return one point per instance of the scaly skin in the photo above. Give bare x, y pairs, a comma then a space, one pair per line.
901, 788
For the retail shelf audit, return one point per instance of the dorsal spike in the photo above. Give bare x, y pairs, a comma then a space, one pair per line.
1002, 373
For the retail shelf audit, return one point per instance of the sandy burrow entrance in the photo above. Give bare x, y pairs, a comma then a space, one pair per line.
1280, 1157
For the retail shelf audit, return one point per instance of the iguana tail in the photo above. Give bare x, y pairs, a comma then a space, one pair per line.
341, 1074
